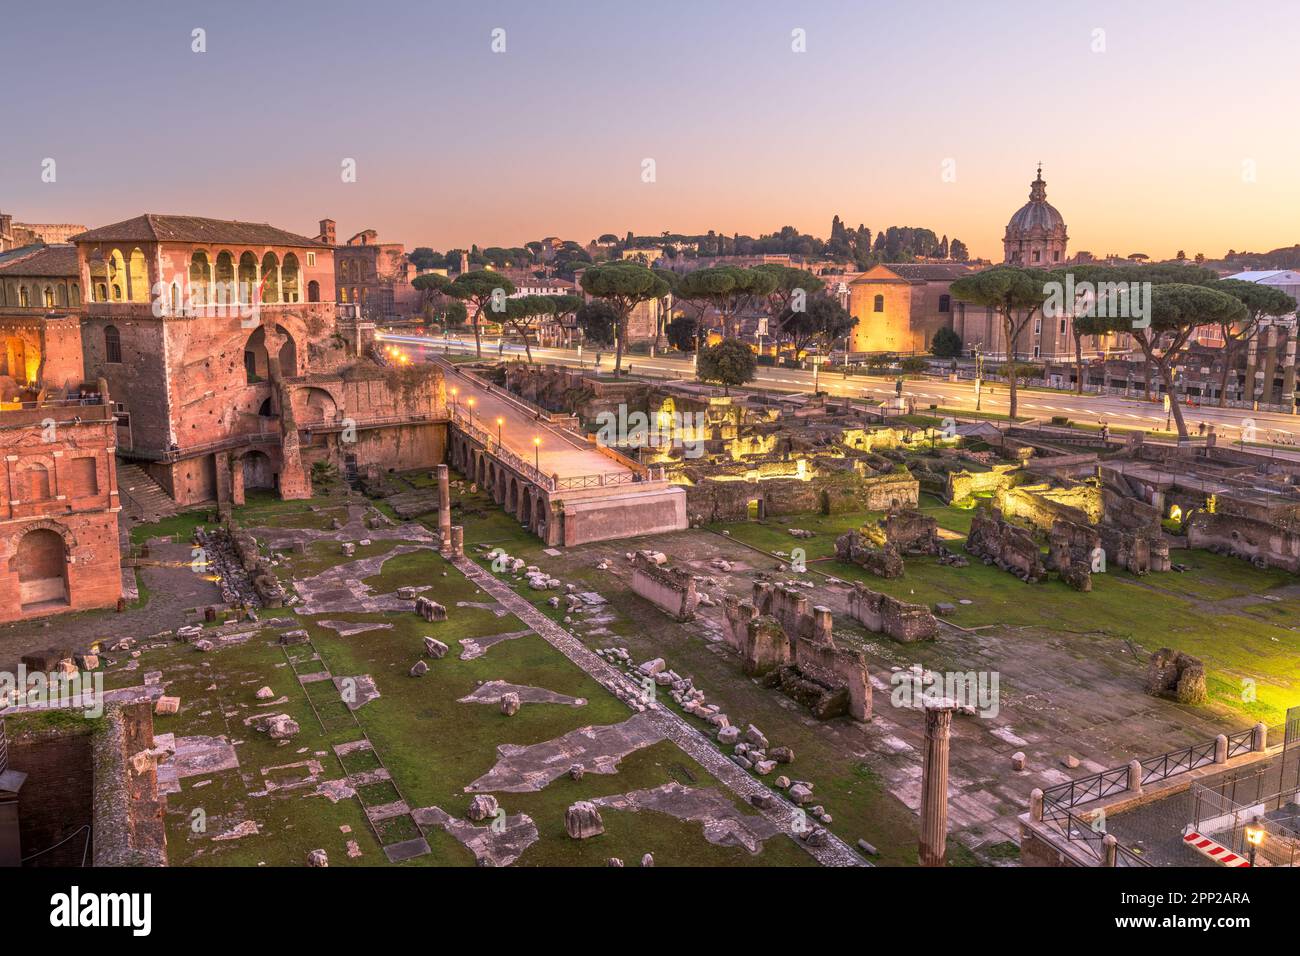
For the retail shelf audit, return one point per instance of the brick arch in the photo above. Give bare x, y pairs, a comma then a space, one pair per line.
10, 545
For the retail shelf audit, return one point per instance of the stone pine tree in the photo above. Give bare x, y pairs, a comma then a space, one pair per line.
729, 289
730, 362
564, 305
597, 320
525, 313
1177, 310
623, 286
481, 290
1017, 296
1260, 301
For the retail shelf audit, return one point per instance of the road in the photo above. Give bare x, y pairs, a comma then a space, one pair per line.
1118, 411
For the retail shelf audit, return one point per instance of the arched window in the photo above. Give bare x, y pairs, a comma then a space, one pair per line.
23, 299
313, 291
76, 294
112, 344
945, 303
879, 305
200, 277
47, 297
61, 295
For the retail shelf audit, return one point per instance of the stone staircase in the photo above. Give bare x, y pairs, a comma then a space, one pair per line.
142, 497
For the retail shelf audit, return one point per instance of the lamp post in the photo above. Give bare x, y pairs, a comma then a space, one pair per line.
470, 402
500, 422
537, 451
979, 375
1254, 837
454, 392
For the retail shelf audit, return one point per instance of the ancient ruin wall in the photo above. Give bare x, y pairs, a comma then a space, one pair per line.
887, 615
128, 827
1262, 543
670, 589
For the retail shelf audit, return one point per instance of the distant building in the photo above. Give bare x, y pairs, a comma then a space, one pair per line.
15, 235
375, 276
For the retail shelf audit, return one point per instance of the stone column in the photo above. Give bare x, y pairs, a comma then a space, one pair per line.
1288, 365
934, 783
1270, 364
457, 541
444, 508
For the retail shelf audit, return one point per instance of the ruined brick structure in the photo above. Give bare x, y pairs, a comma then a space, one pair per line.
671, 589
1175, 674
129, 828
996, 541
791, 645
1071, 547
887, 615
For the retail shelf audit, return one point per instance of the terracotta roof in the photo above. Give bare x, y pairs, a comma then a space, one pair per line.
918, 271
196, 229
52, 261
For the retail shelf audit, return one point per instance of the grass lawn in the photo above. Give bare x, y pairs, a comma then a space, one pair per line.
431, 744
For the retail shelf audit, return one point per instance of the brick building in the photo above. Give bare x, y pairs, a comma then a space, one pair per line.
58, 514
233, 368
900, 306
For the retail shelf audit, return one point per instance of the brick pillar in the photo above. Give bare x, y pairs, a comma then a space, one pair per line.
934, 783
444, 508
236, 481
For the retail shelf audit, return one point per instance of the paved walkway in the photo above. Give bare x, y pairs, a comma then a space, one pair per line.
694, 743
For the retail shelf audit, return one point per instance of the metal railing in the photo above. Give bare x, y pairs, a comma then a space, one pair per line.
499, 451
1059, 799
1177, 761
1115, 780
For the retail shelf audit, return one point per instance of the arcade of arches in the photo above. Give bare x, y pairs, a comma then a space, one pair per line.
516, 494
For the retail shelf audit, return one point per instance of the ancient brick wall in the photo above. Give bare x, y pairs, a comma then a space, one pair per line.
999, 542
59, 546
963, 485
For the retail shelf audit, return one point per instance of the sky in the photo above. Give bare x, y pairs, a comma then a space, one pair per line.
1161, 126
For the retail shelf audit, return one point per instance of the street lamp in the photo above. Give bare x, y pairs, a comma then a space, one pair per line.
979, 375
500, 422
470, 401
1255, 837
537, 450
454, 392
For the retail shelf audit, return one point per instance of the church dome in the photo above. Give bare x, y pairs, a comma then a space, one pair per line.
1038, 216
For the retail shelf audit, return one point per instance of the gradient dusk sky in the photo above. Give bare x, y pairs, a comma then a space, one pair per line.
1147, 147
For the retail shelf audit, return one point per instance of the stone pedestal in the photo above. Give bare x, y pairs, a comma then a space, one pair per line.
444, 509
934, 783
457, 534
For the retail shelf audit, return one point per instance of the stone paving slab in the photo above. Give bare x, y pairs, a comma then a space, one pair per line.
724, 825
499, 847
472, 647
406, 850
494, 690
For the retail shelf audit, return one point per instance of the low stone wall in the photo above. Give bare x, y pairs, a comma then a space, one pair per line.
887, 615
1263, 544
1043, 505
129, 811
670, 589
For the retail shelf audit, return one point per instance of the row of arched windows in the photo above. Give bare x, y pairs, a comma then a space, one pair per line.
40, 294
221, 280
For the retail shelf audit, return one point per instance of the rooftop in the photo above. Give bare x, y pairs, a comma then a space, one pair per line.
156, 228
